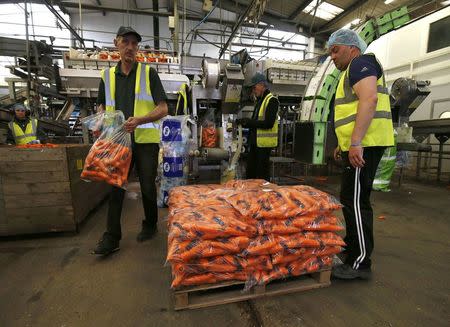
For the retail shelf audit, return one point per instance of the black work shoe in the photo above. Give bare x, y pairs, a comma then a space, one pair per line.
345, 271
146, 234
106, 246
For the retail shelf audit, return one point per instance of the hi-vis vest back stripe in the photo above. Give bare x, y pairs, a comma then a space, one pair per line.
266, 138
30, 132
143, 101
380, 131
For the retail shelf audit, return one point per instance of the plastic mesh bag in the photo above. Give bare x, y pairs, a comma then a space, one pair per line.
209, 131
103, 122
109, 158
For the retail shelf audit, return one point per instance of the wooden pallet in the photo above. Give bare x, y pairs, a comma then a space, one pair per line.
229, 292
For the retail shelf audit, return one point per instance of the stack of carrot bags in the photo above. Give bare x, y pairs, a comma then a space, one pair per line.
250, 230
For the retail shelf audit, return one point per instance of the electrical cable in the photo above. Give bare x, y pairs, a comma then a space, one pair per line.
199, 23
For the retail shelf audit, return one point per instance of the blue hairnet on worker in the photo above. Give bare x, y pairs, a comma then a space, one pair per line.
347, 37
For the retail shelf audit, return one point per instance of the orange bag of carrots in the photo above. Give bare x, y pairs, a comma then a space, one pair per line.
109, 158
180, 250
208, 222
282, 202
296, 268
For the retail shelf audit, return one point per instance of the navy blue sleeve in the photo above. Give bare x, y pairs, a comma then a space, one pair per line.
362, 67
101, 93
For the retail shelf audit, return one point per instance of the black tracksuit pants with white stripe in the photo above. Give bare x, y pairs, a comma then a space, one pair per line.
356, 186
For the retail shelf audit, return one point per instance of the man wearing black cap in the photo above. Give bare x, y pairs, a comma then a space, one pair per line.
136, 90
263, 125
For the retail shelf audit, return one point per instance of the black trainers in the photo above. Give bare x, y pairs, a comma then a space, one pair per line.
106, 246
146, 233
345, 271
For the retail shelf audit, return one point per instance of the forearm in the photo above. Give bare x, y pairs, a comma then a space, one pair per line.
101, 108
366, 110
160, 111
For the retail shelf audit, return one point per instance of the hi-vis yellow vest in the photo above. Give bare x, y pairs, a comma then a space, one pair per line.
143, 101
266, 138
380, 131
182, 96
30, 132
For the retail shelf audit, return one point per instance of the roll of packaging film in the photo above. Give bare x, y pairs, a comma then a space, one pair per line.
211, 71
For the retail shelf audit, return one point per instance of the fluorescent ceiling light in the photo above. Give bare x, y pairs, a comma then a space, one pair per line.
445, 3
326, 10
386, 2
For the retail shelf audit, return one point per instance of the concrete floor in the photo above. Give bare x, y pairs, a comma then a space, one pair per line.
54, 281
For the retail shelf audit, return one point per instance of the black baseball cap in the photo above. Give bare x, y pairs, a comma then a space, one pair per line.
124, 30
257, 78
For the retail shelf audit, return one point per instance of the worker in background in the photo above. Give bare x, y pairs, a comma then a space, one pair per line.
137, 91
363, 126
263, 125
23, 129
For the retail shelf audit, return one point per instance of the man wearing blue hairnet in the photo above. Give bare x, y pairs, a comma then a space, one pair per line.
363, 125
23, 129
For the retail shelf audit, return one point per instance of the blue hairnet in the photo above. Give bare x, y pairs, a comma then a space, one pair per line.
347, 37
19, 106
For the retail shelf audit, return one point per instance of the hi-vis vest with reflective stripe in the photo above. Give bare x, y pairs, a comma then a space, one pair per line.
266, 138
30, 132
143, 101
380, 131
182, 96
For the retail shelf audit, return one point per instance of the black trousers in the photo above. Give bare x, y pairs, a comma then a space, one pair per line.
356, 186
258, 164
145, 159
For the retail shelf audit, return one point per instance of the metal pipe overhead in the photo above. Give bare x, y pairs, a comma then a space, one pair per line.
156, 25
28, 56
176, 19
249, 36
236, 26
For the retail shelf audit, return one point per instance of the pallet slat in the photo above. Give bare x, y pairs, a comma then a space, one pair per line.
9, 153
14, 167
37, 200
33, 188
48, 211
36, 177
211, 295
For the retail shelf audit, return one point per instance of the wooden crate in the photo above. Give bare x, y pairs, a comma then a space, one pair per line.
228, 292
41, 190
